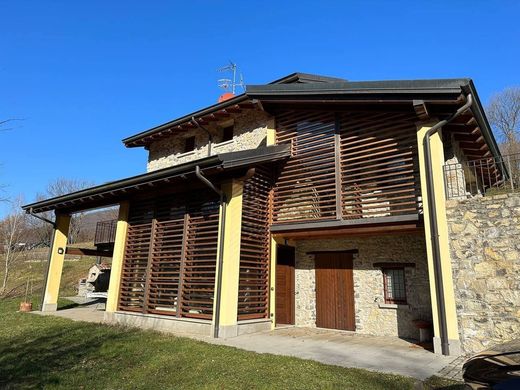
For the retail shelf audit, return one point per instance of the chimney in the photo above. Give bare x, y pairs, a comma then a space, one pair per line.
225, 96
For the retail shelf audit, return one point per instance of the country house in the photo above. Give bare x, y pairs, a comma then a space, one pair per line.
309, 201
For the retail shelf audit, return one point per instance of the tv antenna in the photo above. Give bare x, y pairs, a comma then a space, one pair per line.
230, 84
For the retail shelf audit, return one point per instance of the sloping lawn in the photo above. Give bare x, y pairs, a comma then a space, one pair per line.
50, 352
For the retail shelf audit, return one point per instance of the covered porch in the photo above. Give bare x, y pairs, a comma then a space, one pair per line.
174, 230
373, 282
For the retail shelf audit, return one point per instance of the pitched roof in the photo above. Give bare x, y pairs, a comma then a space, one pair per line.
112, 192
309, 85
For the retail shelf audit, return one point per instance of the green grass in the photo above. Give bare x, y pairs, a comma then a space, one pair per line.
31, 267
55, 353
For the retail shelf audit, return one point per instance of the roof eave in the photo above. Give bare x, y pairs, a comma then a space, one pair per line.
229, 160
128, 142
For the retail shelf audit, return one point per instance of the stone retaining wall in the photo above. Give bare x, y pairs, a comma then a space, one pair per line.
485, 247
372, 317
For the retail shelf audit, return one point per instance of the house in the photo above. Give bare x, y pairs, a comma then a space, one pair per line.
308, 201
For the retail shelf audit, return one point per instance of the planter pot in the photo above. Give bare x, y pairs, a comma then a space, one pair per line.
25, 306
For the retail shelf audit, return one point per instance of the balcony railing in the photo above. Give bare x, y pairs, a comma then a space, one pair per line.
105, 232
484, 177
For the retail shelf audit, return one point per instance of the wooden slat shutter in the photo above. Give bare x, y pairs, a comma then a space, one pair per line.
165, 269
135, 259
198, 288
171, 256
253, 289
305, 188
379, 165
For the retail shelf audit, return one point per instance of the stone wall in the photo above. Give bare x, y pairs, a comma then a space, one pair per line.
372, 315
250, 131
485, 246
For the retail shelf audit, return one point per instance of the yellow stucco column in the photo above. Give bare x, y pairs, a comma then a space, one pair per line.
272, 283
117, 257
437, 152
57, 256
231, 259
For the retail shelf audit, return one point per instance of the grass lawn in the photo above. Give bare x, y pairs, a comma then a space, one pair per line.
31, 267
50, 352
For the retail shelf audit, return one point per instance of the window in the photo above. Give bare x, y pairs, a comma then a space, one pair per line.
395, 286
189, 144
227, 134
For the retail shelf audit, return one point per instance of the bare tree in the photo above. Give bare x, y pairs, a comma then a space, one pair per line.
503, 112
12, 239
42, 231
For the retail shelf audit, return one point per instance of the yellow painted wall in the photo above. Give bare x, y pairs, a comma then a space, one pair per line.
231, 264
117, 257
59, 244
438, 178
271, 133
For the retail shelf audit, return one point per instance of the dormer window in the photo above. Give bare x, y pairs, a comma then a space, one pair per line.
189, 144
227, 133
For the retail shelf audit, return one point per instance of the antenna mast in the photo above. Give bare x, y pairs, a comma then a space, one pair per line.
230, 84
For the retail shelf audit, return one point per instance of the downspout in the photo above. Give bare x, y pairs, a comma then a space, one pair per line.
220, 260
46, 275
434, 228
210, 137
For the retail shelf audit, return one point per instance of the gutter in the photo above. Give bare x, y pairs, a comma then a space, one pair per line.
210, 137
434, 228
220, 260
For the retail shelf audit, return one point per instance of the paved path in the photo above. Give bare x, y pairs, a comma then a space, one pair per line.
346, 349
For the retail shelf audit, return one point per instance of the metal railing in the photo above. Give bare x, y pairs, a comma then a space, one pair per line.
483, 177
105, 232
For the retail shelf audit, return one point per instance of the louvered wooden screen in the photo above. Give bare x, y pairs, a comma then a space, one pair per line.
135, 260
305, 189
201, 260
253, 289
379, 165
166, 256
170, 257
346, 165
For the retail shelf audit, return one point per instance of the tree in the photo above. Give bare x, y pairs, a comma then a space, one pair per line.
42, 230
503, 112
13, 229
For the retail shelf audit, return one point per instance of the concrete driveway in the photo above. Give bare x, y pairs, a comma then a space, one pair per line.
346, 349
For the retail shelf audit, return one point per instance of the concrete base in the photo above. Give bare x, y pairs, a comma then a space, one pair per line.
454, 347
160, 323
49, 307
244, 327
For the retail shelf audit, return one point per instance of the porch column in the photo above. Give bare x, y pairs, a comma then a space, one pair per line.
117, 257
231, 259
272, 282
271, 140
56, 258
437, 152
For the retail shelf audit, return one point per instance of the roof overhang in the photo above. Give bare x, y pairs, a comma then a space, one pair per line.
113, 192
185, 122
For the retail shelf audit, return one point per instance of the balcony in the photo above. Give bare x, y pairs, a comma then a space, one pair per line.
483, 177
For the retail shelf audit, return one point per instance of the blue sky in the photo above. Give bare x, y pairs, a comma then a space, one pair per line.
84, 75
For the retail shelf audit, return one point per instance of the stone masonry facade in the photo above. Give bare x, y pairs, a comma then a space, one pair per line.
250, 132
485, 254
371, 314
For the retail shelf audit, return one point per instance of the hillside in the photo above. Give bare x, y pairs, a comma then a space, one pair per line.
32, 266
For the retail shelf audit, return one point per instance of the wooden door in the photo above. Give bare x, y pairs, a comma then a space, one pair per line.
334, 291
285, 285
